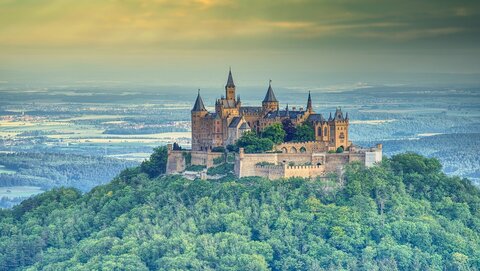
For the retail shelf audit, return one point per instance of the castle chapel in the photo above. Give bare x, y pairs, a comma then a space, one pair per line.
230, 120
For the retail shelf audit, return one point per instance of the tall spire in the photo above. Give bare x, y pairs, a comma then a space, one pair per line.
270, 96
309, 102
199, 103
230, 83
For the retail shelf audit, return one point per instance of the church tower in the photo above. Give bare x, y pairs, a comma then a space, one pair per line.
270, 102
339, 130
198, 128
309, 103
230, 87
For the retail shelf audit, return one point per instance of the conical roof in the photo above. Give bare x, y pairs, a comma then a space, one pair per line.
270, 96
309, 101
199, 104
230, 83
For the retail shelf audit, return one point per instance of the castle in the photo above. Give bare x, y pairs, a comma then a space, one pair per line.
214, 131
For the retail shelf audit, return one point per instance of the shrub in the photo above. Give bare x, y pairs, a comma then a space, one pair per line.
218, 149
224, 168
339, 150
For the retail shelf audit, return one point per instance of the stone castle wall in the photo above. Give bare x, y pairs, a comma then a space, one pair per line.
176, 161
304, 171
307, 165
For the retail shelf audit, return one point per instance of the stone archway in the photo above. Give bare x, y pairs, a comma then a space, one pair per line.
303, 149
293, 150
284, 150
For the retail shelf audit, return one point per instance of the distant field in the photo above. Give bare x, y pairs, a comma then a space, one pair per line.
19, 191
4, 170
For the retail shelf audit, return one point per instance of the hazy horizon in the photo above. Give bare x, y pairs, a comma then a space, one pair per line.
193, 42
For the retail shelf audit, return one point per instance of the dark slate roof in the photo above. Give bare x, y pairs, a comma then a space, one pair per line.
251, 109
284, 113
316, 117
338, 114
270, 96
235, 122
245, 126
228, 103
230, 80
199, 104
309, 101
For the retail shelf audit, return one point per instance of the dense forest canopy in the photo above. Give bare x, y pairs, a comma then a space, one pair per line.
402, 215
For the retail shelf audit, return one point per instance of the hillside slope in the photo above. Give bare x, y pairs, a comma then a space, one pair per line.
402, 215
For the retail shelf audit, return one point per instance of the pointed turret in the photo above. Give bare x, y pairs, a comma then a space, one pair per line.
330, 118
230, 87
270, 96
270, 102
198, 104
230, 80
309, 103
346, 116
338, 114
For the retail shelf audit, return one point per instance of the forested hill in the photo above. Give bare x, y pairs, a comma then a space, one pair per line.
402, 215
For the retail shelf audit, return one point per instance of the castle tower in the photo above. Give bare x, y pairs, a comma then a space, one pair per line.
339, 130
198, 114
270, 102
230, 87
309, 103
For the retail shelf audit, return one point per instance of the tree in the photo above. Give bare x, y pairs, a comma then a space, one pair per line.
274, 132
304, 132
339, 149
253, 144
289, 129
157, 164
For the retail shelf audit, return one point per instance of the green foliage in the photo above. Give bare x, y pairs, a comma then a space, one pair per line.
188, 158
400, 215
289, 129
253, 144
218, 160
415, 163
274, 132
176, 147
195, 168
304, 132
263, 163
218, 149
157, 163
223, 168
339, 149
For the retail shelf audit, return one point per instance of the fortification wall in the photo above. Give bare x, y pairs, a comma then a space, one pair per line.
298, 158
335, 161
269, 171
175, 161
304, 171
245, 163
204, 158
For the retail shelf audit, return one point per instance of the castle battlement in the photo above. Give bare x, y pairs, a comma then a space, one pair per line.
230, 120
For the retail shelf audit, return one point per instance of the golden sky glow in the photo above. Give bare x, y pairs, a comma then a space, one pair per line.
65, 30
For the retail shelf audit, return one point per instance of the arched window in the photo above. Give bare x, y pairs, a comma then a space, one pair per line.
319, 131
325, 131
284, 150
302, 149
342, 135
293, 150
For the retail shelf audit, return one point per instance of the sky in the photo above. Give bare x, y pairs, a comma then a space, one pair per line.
194, 42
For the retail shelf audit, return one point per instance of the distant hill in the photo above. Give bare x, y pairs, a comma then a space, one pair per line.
403, 215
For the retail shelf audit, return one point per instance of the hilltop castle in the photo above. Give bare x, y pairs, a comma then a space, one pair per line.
230, 120
213, 131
